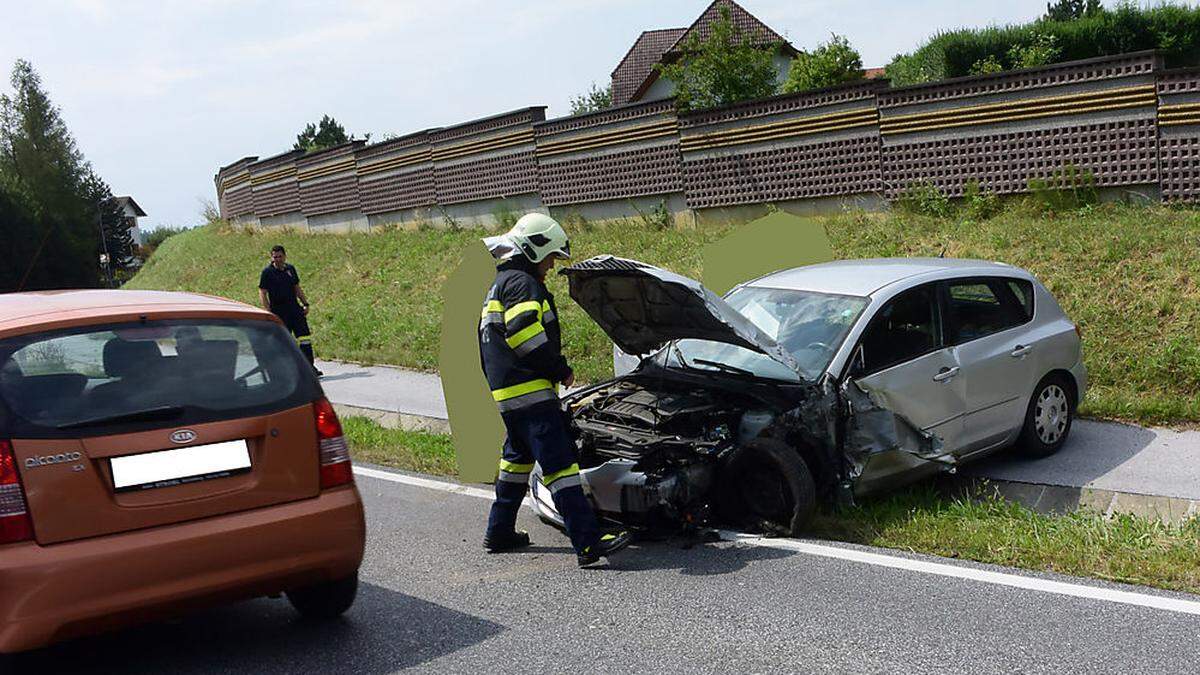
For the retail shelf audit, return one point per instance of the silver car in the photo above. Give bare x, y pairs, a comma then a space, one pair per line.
823, 382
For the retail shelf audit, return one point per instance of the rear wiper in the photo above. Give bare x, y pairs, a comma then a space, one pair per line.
164, 412
726, 367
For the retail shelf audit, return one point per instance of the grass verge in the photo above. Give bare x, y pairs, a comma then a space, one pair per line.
1128, 275
409, 450
920, 519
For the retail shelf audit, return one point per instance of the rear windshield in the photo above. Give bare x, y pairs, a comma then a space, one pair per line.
113, 378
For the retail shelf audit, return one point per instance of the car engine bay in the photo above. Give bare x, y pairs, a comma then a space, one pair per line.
650, 452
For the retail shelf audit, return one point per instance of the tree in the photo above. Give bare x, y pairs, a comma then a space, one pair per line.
50, 213
831, 63
324, 134
1067, 10
723, 68
592, 100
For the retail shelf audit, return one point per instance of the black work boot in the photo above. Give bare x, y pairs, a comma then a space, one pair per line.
609, 544
497, 543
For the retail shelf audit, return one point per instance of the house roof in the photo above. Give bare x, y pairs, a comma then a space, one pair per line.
639, 61
743, 21
634, 75
128, 201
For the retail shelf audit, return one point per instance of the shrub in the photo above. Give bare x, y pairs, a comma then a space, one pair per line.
925, 199
831, 63
1067, 189
980, 204
1174, 29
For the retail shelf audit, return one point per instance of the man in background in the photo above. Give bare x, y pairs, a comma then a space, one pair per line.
280, 293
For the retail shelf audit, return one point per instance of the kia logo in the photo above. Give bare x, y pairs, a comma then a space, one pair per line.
183, 436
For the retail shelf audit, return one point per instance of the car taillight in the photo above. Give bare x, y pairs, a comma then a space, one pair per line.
15, 524
335, 454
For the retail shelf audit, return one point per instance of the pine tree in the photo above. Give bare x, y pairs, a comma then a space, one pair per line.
52, 209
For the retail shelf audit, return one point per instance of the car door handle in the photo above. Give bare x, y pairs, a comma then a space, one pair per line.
1020, 350
945, 374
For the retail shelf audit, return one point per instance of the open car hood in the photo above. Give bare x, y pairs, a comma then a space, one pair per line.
643, 307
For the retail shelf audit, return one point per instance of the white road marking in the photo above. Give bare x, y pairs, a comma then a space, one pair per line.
1169, 604
425, 483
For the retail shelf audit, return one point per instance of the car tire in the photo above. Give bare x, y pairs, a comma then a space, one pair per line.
326, 600
766, 485
1048, 418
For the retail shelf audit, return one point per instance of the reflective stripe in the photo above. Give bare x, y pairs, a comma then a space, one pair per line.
548, 316
514, 467
526, 400
510, 477
565, 482
531, 344
521, 389
549, 478
304, 339
524, 334
521, 308
493, 307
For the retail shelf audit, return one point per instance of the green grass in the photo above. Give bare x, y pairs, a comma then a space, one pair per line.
1129, 276
1125, 548
920, 519
410, 450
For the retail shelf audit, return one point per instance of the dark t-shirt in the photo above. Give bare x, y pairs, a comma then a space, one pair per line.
280, 285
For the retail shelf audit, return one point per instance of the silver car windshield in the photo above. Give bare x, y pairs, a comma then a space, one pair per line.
809, 325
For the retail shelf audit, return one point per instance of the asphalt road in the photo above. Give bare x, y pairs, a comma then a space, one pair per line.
432, 600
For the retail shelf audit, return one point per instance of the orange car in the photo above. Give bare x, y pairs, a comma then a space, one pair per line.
158, 452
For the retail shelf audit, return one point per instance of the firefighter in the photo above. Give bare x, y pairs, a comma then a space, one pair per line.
521, 353
280, 293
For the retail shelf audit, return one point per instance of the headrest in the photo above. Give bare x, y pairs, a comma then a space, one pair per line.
123, 358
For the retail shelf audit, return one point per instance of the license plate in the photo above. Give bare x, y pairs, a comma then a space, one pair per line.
167, 468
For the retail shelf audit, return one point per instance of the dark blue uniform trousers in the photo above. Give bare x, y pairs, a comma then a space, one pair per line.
539, 433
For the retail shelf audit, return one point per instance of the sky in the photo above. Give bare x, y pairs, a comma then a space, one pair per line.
160, 94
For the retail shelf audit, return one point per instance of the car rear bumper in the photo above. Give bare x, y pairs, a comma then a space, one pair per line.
50, 593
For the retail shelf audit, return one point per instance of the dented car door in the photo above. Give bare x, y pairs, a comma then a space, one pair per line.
905, 398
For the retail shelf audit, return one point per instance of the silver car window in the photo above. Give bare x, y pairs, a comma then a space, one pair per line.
980, 307
903, 329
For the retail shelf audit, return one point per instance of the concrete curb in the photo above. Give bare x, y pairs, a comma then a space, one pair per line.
1061, 499
390, 419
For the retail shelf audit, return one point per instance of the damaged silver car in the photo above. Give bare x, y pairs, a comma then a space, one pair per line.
819, 383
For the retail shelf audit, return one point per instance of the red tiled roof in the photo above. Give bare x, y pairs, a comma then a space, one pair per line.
743, 21
639, 60
874, 73
634, 75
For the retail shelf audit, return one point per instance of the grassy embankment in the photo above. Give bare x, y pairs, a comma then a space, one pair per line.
1129, 276
1125, 548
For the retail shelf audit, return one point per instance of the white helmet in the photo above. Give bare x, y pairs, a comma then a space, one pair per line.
537, 235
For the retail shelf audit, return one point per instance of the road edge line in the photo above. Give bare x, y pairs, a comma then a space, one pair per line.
931, 567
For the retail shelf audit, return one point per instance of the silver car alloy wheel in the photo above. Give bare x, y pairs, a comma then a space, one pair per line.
1051, 414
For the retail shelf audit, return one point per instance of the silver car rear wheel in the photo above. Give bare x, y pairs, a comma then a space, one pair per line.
1051, 412
1048, 417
